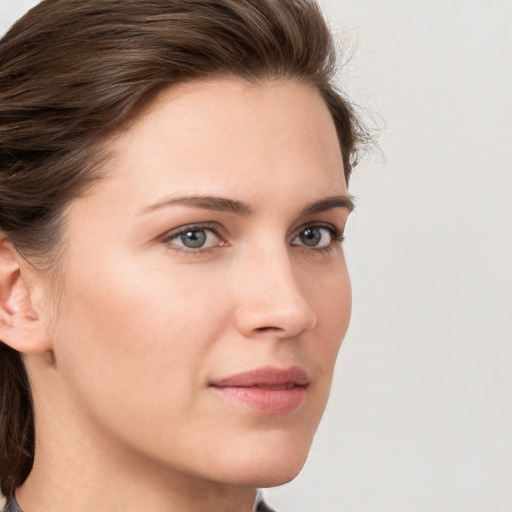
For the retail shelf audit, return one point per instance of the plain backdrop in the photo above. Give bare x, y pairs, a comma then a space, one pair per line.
420, 417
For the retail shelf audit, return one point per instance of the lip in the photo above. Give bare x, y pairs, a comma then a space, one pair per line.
267, 390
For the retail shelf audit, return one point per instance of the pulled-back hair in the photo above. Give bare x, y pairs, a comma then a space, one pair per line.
73, 73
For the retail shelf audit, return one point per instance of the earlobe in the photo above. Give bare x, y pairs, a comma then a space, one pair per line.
20, 324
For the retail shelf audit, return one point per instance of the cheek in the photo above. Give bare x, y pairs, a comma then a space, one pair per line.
128, 320
332, 299
134, 343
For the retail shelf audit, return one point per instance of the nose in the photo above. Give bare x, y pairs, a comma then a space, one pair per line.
271, 302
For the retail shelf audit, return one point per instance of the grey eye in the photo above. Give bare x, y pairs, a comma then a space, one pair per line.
311, 236
193, 239
315, 236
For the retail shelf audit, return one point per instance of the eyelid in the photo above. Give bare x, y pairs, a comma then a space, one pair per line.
337, 234
169, 236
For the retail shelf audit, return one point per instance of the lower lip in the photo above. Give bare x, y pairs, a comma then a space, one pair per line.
267, 401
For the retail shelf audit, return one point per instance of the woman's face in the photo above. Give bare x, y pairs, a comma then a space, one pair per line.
205, 293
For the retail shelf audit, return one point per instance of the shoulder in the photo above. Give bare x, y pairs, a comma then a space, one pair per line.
261, 506
11, 506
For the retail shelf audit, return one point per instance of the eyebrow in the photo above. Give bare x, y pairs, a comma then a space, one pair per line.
222, 204
329, 203
219, 204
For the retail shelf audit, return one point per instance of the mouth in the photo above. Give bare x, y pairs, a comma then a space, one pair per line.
266, 390
288, 385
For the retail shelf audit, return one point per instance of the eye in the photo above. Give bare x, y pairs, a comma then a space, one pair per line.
317, 236
195, 237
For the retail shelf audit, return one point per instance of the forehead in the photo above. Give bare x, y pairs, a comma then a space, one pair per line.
217, 136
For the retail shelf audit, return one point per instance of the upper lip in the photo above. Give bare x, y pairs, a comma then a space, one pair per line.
265, 377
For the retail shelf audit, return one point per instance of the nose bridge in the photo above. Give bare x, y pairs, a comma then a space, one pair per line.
272, 300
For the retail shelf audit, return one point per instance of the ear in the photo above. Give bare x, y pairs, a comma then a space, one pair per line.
21, 325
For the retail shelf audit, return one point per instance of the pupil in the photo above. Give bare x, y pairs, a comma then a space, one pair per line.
310, 236
193, 239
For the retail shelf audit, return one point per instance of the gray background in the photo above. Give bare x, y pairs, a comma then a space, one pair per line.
420, 418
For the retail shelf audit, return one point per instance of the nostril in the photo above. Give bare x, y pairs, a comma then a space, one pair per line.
267, 329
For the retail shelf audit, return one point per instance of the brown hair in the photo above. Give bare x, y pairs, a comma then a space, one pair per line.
72, 73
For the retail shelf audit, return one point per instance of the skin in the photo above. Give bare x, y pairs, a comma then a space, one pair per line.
121, 370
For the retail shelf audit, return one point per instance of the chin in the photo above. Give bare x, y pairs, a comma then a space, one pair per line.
267, 465
267, 476
273, 478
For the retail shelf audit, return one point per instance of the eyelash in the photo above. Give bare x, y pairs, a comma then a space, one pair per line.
212, 228
337, 237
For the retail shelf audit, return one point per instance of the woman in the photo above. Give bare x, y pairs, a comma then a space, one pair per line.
173, 290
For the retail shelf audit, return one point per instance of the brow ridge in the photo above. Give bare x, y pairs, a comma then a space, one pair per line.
221, 204
230, 205
328, 203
